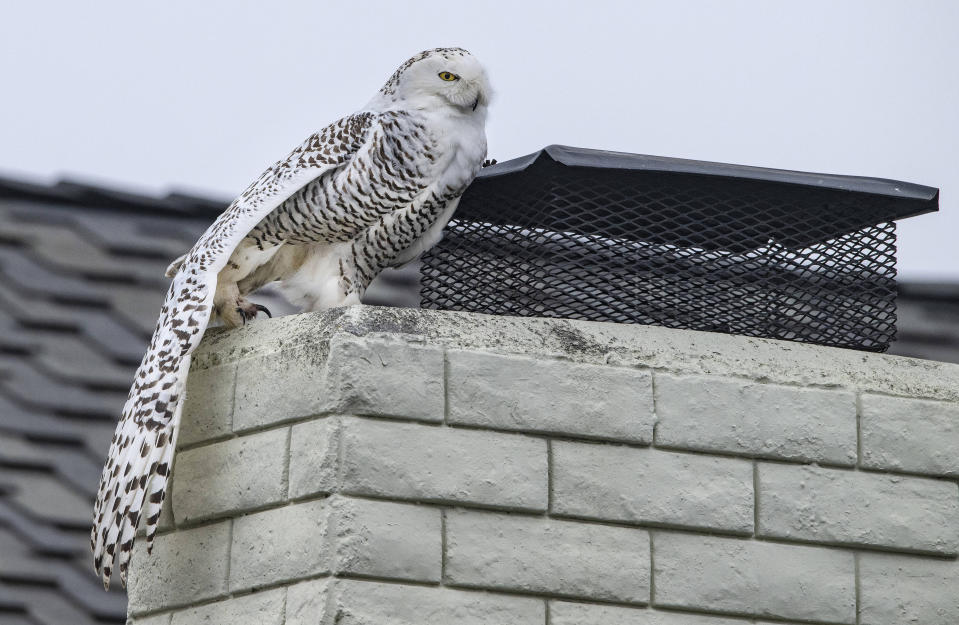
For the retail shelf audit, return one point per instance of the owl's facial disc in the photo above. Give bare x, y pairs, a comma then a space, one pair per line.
462, 82
453, 76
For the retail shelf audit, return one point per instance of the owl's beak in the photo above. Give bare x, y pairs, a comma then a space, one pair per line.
475, 103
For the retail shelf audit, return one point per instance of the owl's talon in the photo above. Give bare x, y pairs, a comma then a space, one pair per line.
248, 311
263, 308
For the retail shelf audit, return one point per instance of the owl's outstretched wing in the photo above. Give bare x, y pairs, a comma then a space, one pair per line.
141, 453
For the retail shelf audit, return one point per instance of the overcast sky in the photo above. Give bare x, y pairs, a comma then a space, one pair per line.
201, 96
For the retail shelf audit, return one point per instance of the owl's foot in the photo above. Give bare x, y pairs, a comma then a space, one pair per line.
248, 310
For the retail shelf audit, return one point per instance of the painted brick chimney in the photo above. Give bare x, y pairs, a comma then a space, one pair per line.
372, 466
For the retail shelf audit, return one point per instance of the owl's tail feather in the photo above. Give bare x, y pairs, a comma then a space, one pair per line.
140, 462
136, 473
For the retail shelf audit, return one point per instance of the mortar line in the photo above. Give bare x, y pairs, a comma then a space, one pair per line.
379, 579
287, 462
570, 518
446, 386
244, 592
549, 476
579, 438
443, 547
652, 382
546, 611
338, 470
236, 375
858, 429
858, 589
755, 498
652, 573
229, 557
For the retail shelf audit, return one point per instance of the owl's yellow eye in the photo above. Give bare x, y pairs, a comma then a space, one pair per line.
447, 76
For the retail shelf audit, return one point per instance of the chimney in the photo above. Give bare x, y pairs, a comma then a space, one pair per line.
372, 466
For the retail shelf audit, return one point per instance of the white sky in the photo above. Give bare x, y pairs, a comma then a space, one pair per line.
201, 95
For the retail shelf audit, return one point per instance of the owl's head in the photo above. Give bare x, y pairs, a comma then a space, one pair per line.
444, 76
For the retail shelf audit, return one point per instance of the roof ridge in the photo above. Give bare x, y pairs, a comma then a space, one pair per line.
97, 196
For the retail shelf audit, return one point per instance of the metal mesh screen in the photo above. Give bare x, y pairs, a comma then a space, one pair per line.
671, 249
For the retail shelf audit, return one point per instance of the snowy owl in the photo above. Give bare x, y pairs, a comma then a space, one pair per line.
371, 190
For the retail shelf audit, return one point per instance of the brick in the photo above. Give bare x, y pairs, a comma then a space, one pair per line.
740, 417
388, 540
230, 476
262, 608
595, 401
651, 486
279, 545
857, 508
313, 457
336, 535
185, 567
731, 575
536, 554
913, 435
352, 602
568, 613
900, 589
306, 602
281, 386
387, 377
427, 463
208, 411
153, 619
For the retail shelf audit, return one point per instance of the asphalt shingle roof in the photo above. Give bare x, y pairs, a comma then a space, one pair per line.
80, 287
81, 283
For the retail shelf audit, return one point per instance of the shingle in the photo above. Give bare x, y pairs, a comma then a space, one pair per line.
11, 546
19, 452
12, 606
11, 337
72, 464
32, 311
112, 336
97, 437
160, 237
69, 253
19, 419
84, 589
44, 496
49, 607
39, 536
137, 306
20, 567
73, 360
36, 390
24, 273
12, 609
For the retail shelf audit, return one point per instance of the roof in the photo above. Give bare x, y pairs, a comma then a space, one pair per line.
928, 321
81, 282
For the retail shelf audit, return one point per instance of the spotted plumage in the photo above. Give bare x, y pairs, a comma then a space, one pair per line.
371, 190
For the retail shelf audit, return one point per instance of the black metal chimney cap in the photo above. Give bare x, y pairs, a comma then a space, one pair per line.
909, 199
